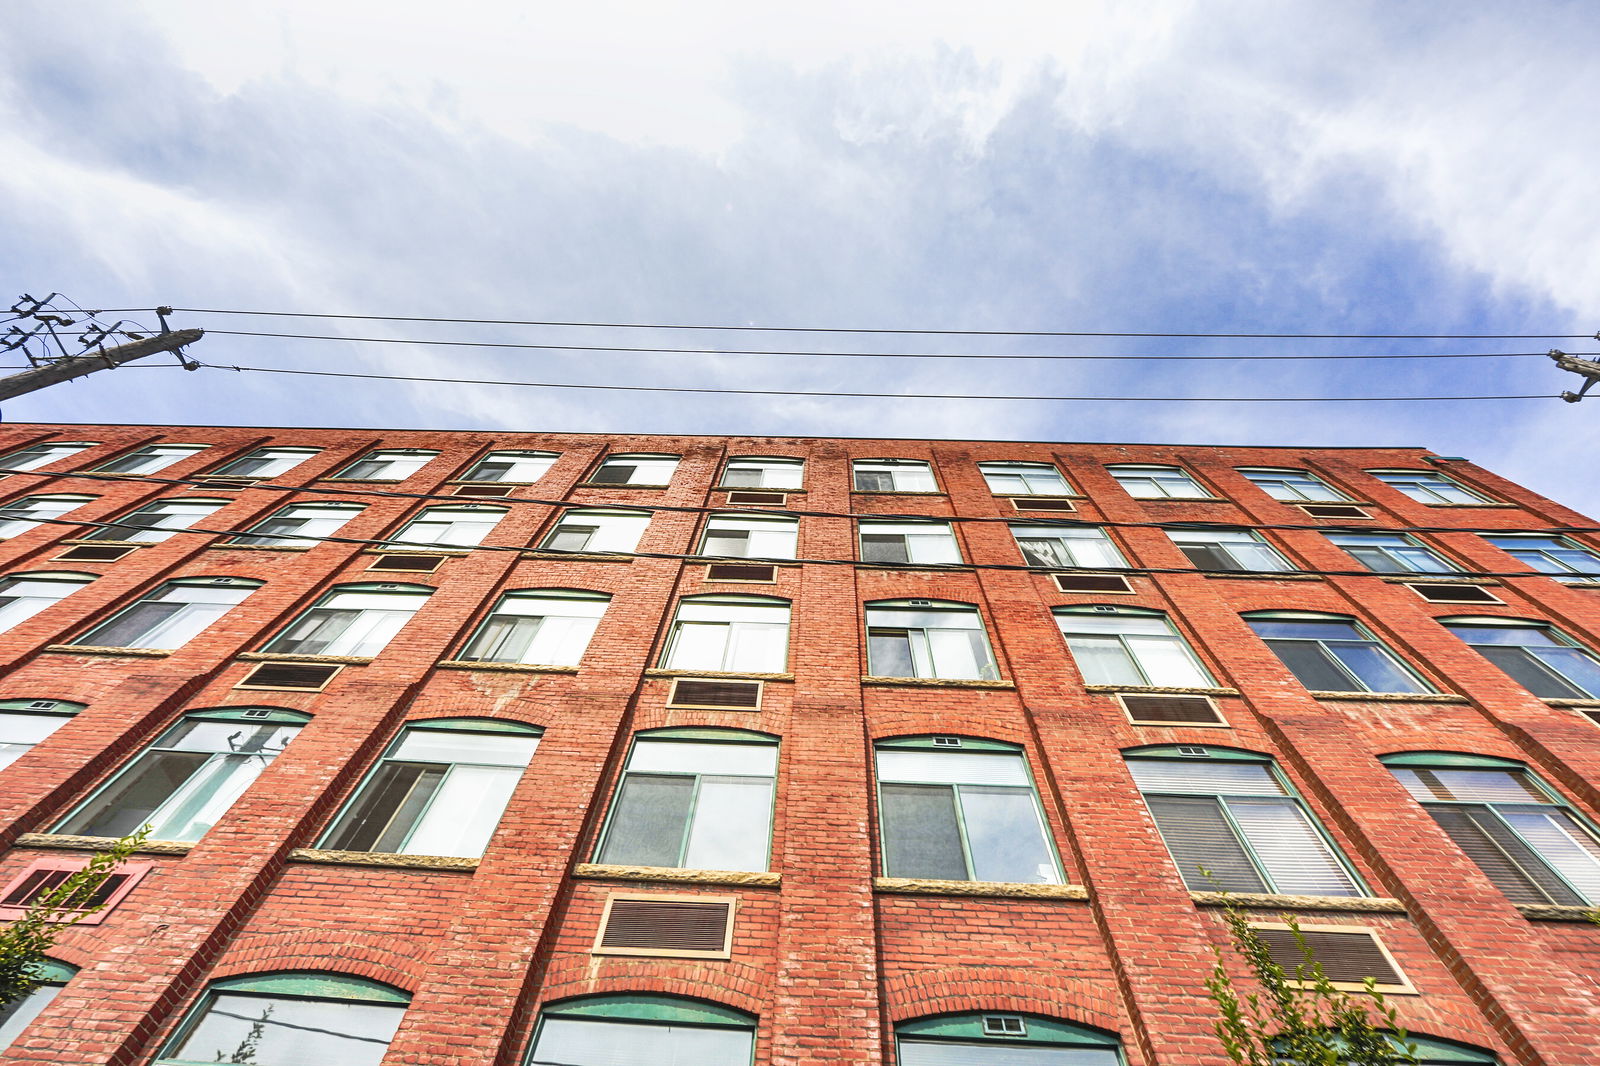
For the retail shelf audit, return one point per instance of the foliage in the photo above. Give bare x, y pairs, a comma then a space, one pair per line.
24, 943
1300, 1018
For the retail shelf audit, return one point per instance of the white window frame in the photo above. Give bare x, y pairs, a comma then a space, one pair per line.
25, 724
615, 532
30, 512
203, 601
766, 536
923, 641
1412, 484
566, 621
1080, 545
395, 460
171, 514
463, 525
1159, 476
1051, 481
650, 470
380, 615
906, 476
159, 457
1148, 648
279, 459
729, 634
1287, 484
527, 467
1221, 538
16, 608
317, 520
775, 472
930, 543
61, 449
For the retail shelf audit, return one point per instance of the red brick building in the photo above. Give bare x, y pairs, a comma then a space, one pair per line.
457, 749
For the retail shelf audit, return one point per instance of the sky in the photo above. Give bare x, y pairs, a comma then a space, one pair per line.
1129, 166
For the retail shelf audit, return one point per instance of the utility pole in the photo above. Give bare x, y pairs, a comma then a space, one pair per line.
77, 366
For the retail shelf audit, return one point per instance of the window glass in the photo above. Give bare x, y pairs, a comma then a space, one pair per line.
155, 522
1124, 648
515, 467
1550, 555
1024, 479
266, 462
24, 595
391, 465
693, 804
1542, 660
357, 621
1332, 654
754, 472
939, 640
171, 615
1240, 822
639, 1041
1392, 553
597, 531
267, 1021
149, 459
19, 1014
908, 542
1425, 486
39, 456
655, 470
746, 634
1158, 482
300, 524
1293, 486
461, 526
435, 792
542, 627
893, 475
1228, 550
181, 784
24, 723
1001, 1040
1066, 546
742, 536
30, 512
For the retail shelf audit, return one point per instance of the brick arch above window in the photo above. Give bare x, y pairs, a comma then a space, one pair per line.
388, 960
725, 983
959, 989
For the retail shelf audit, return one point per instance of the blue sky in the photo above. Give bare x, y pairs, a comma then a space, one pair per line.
1217, 166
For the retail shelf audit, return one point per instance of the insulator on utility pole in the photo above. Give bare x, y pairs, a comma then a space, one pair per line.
1589, 369
77, 366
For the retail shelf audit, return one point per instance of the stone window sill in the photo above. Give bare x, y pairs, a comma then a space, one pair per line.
1183, 499
1437, 579
1389, 697
893, 492
1540, 912
937, 568
740, 560
1486, 503
624, 488
936, 682
1038, 496
263, 656
589, 557
373, 858
609, 872
1260, 575
75, 541
366, 480
65, 842
504, 668
719, 674
1573, 703
416, 549
263, 547
916, 886
1364, 904
91, 649
1162, 690
755, 488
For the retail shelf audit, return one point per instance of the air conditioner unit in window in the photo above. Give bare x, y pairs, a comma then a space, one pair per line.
919, 603
947, 742
256, 712
42, 705
1102, 609
1192, 753
1004, 1025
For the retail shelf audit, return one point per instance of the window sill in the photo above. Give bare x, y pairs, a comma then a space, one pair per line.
1182, 499
264, 656
755, 488
718, 674
936, 682
1162, 690
504, 668
894, 492
1363, 904
1572, 703
1038, 496
945, 568
1389, 697
1502, 506
744, 560
608, 872
417, 549
917, 886
624, 488
1545, 912
365, 480
1437, 579
1571, 584
110, 543
1261, 575
65, 842
375, 858
590, 557
264, 547
474, 481
92, 649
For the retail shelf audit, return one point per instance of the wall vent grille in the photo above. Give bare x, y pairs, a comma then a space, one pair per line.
686, 926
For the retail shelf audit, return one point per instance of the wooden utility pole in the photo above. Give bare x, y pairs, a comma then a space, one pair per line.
76, 366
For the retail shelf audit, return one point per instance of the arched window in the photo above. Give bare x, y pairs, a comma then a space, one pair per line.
169, 616
16, 1015
439, 789
1002, 1039
24, 723
1024, 479
763, 472
392, 464
1521, 833
265, 463
961, 809
643, 1030
1562, 558
354, 620
38, 456
299, 524
1427, 486
24, 595
928, 638
150, 458
1243, 550
729, 633
1147, 482
751, 536
696, 799
461, 525
1539, 657
19, 516
538, 627
1431, 1051
512, 467
1292, 486
289, 1019
155, 522
594, 530
1333, 653
653, 471
893, 475
189, 776
1130, 646
1392, 553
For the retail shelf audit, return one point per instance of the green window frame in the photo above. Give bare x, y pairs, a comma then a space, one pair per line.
1431, 1051
1292, 485
1391, 553
1061, 546
43, 454
1561, 557
19, 1014
962, 809
1018, 478
1155, 481
386, 464
321, 1004
1534, 654
893, 475
1237, 816
928, 638
170, 615
26, 723
1334, 653
30, 512
355, 620
25, 594
265, 463
542, 627
1009, 1037
637, 469
510, 467
1235, 550
1525, 837
1429, 487
150, 458
729, 633
776, 472
1134, 647
157, 520
670, 1029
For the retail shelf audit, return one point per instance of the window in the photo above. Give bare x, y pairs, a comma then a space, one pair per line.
894, 475
24, 595
149, 459
744, 536
1235, 815
1002, 1040
928, 638
37, 456
1393, 553
1331, 653
289, 1019
1024, 479
19, 1014
188, 778
460, 526
516, 467
31, 511
538, 627
961, 814
698, 799
169, 616
761, 472
652, 470
597, 531
1129, 646
299, 524
391, 465
908, 542
265, 462
1545, 661
1158, 482
735, 634
353, 620
439, 789
643, 1031
155, 522
24, 723
1428, 1051
1063, 546
1518, 831
1292, 486
1425, 486
1229, 549
1549, 555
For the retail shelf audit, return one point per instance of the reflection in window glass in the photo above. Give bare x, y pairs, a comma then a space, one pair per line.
1542, 660
1125, 648
358, 621
939, 640
1066, 546
742, 634
1332, 654
172, 615
538, 627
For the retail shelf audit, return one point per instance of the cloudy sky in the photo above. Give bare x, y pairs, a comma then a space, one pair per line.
1216, 166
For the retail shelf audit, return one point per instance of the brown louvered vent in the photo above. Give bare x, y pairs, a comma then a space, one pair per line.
1027, 504
1333, 510
752, 496
1170, 710
1347, 957
416, 564
1438, 592
483, 490
309, 676
1092, 583
723, 695
741, 572
95, 553
45, 875
1592, 715
692, 926
37, 882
